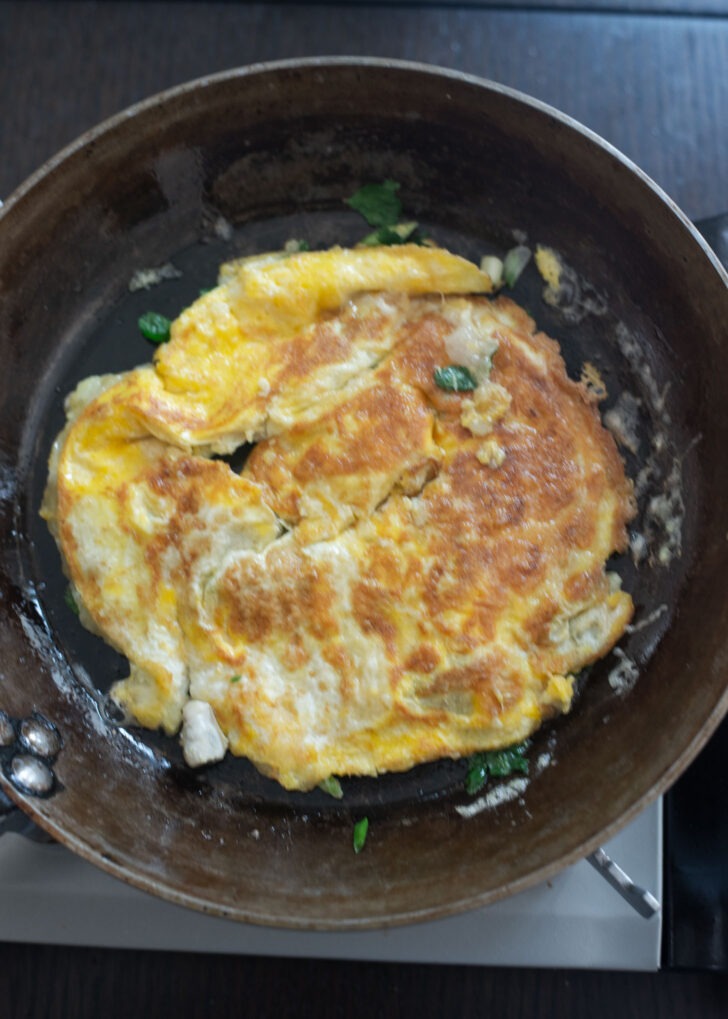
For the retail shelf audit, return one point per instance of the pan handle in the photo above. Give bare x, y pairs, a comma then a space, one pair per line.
12, 819
639, 898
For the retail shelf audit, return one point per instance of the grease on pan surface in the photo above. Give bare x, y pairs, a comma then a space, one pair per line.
399, 573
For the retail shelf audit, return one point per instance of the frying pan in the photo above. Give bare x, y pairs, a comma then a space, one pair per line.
241, 162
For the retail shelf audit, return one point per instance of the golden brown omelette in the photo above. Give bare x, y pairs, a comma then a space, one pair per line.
399, 573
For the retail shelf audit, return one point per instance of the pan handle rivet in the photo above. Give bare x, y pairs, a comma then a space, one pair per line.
40, 736
30, 775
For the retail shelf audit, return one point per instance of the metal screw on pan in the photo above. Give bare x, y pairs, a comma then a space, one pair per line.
29, 770
39, 736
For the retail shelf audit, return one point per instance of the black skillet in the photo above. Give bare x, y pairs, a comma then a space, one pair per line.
242, 162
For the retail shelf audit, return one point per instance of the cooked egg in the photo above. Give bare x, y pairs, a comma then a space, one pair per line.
399, 573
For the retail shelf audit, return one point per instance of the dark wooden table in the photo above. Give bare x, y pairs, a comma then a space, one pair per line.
652, 78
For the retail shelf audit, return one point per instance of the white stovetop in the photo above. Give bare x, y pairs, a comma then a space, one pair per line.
48, 896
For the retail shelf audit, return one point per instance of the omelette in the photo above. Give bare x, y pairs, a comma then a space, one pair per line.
411, 563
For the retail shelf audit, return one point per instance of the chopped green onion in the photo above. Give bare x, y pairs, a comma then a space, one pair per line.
399, 234
332, 786
235, 679
360, 834
492, 266
455, 378
154, 327
378, 203
515, 262
293, 246
70, 600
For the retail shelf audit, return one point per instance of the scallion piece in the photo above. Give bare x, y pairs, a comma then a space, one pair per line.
515, 262
492, 266
294, 246
70, 600
399, 234
154, 327
361, 829
332, 786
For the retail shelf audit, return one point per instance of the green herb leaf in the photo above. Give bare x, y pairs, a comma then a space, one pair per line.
361, 829
455, 378
477, 774
70, 600
332, 786
505, 762
378, 203
154, 327
515, 262
235, 679
497, 763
